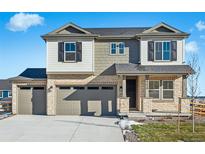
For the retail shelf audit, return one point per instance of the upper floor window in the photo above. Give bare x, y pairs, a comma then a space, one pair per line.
117, 48
1, 94
121, 48
70, 51
163, 50
113, 48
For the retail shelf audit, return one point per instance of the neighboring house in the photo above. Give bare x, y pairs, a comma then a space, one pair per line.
5, 96
5, 89
104, 71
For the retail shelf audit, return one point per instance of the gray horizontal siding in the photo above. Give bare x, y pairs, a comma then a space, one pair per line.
103, 60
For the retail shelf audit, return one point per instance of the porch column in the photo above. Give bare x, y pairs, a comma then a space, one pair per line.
184, 86
146, 86
124, 87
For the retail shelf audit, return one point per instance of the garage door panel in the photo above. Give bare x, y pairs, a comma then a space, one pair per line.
39, 101
94, 107
66, 103
25, 101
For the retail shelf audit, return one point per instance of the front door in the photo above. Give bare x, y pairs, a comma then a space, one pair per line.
131, 91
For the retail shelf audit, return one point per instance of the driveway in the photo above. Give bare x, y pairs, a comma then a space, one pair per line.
30, 128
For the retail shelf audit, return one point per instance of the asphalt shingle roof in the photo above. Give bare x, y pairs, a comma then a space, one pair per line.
31, 74
117, 31
5, 85
156, 69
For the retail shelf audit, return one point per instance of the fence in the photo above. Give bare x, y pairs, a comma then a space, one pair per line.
199, 108
5, 107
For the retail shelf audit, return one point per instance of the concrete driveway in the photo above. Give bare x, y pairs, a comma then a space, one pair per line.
30, 128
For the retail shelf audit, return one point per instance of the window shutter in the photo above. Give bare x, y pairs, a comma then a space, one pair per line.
60, 51
151, 51
174, 50
79, 51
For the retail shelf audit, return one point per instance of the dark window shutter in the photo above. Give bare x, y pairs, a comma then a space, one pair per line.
151, 51
174, 50
60, 51
79, 51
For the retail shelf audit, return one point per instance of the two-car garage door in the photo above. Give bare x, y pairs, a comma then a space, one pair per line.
86, 100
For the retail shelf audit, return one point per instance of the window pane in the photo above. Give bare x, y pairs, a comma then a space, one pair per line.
10, 93
70, 47
79, 88
121, 48
153, 84
167, 84
1, 94
166, 51
154, 93
70, 56
158, 49
93, 88
168, 94
113, 48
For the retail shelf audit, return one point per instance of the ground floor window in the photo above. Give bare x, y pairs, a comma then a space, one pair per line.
1, 94
154, 89
168, 90
9, 94
161, 89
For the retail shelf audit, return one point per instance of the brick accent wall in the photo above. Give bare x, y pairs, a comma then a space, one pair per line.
123, 105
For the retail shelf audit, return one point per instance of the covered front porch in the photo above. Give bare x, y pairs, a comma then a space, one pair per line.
152, 92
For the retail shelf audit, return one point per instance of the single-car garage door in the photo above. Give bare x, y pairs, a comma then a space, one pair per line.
86, 100
32, 100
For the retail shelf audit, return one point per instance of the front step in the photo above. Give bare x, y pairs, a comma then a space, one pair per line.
136, 114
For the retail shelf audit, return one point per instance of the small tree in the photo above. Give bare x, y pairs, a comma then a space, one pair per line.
193, 84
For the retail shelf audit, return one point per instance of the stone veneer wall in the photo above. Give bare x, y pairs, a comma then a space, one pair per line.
123, 104
185, 105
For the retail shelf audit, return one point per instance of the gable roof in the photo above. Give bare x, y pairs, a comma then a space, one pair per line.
166, 26
117, 32
56, 31
31, 74
5, 85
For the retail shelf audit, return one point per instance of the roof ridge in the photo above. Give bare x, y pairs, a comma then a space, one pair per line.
113, 27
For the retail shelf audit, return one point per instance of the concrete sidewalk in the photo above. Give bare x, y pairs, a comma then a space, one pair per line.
59, 128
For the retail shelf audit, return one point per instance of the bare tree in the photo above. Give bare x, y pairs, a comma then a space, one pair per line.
193, 84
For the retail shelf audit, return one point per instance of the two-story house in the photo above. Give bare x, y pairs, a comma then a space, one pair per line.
105, 71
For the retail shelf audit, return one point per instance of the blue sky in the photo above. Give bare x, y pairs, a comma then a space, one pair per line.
21, 45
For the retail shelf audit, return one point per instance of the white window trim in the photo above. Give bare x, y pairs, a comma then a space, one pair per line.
1, 91
117, 48
162, 51
168, 90
154, 89
69, 52
10, 92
